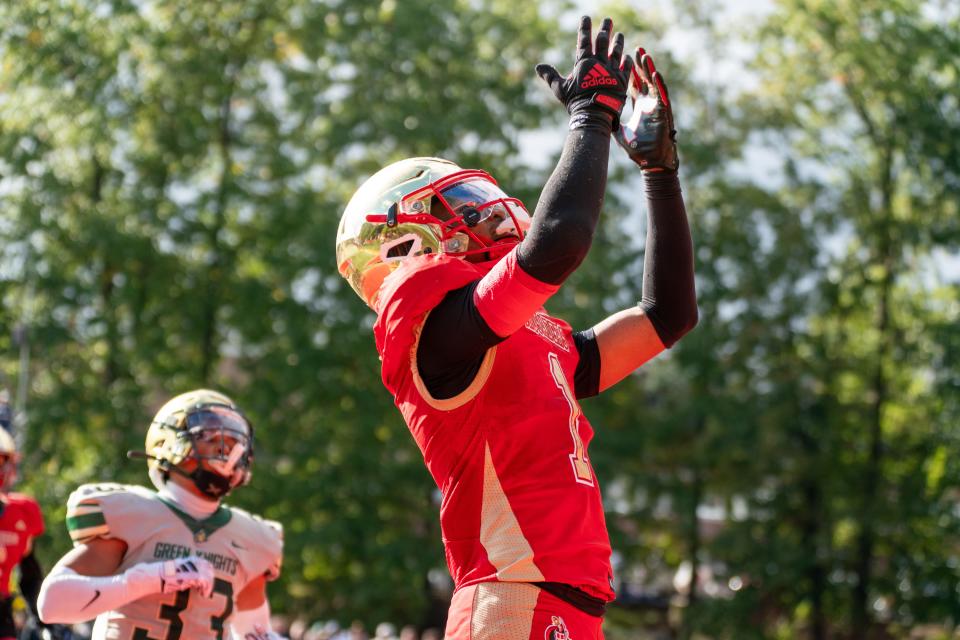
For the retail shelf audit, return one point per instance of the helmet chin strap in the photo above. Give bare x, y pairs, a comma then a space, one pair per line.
218, 483
211, 484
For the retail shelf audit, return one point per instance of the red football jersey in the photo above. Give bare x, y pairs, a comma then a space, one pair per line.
520, 499
21, 520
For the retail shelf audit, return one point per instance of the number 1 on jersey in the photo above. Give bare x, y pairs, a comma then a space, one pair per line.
581, 465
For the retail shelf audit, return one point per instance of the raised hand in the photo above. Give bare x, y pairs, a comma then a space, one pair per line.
649, 137
596, 88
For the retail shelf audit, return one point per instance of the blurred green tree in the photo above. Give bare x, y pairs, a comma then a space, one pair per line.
793, 448
821, 398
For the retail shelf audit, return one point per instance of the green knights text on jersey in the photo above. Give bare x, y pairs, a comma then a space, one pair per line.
240, 546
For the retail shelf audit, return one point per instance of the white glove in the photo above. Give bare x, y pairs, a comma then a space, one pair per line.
172, 575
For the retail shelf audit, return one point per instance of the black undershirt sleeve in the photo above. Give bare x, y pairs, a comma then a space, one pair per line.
448, 372
31, 577
454, 339
669, 292
568, 210
586, 379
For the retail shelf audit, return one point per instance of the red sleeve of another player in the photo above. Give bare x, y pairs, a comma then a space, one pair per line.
35, 525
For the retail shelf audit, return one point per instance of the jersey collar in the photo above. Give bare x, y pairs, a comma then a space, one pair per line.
201, 529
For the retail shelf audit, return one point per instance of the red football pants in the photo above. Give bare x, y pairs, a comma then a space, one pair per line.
516, 611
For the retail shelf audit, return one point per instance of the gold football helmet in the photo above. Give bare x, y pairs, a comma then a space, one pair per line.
203, 435
418, 206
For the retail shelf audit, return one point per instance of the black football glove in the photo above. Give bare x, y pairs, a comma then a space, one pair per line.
596, 89
649, 137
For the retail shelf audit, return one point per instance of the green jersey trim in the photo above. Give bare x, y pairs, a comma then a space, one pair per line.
201, 529
85, 521
83, 527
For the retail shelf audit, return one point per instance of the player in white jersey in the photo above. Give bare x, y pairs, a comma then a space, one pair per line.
175, 563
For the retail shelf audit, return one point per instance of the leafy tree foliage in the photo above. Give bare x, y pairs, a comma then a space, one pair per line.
810, 411
810, 407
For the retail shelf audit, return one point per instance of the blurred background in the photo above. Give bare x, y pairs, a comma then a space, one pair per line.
172, 173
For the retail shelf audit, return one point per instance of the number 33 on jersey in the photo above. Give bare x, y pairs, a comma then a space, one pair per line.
240, 547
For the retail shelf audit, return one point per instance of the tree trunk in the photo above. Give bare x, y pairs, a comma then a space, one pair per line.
693, 539
806, 429
873, 473
220, 264
816, 572
208, 344
107, 309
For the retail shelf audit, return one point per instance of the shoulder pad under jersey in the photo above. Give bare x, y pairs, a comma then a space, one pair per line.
110, 510
262, 540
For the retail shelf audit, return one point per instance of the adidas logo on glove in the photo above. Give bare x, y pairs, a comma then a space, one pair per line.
598, 76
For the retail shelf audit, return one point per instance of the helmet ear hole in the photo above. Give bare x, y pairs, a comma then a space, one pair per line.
401, 250
420, 196
407, 245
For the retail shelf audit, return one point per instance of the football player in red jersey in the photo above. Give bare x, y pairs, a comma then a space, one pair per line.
20, 523
487, 381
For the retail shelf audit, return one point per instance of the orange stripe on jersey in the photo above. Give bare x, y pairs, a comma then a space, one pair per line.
462, 398
507, 549
493, 611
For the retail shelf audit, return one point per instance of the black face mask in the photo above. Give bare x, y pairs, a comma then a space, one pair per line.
213, 485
